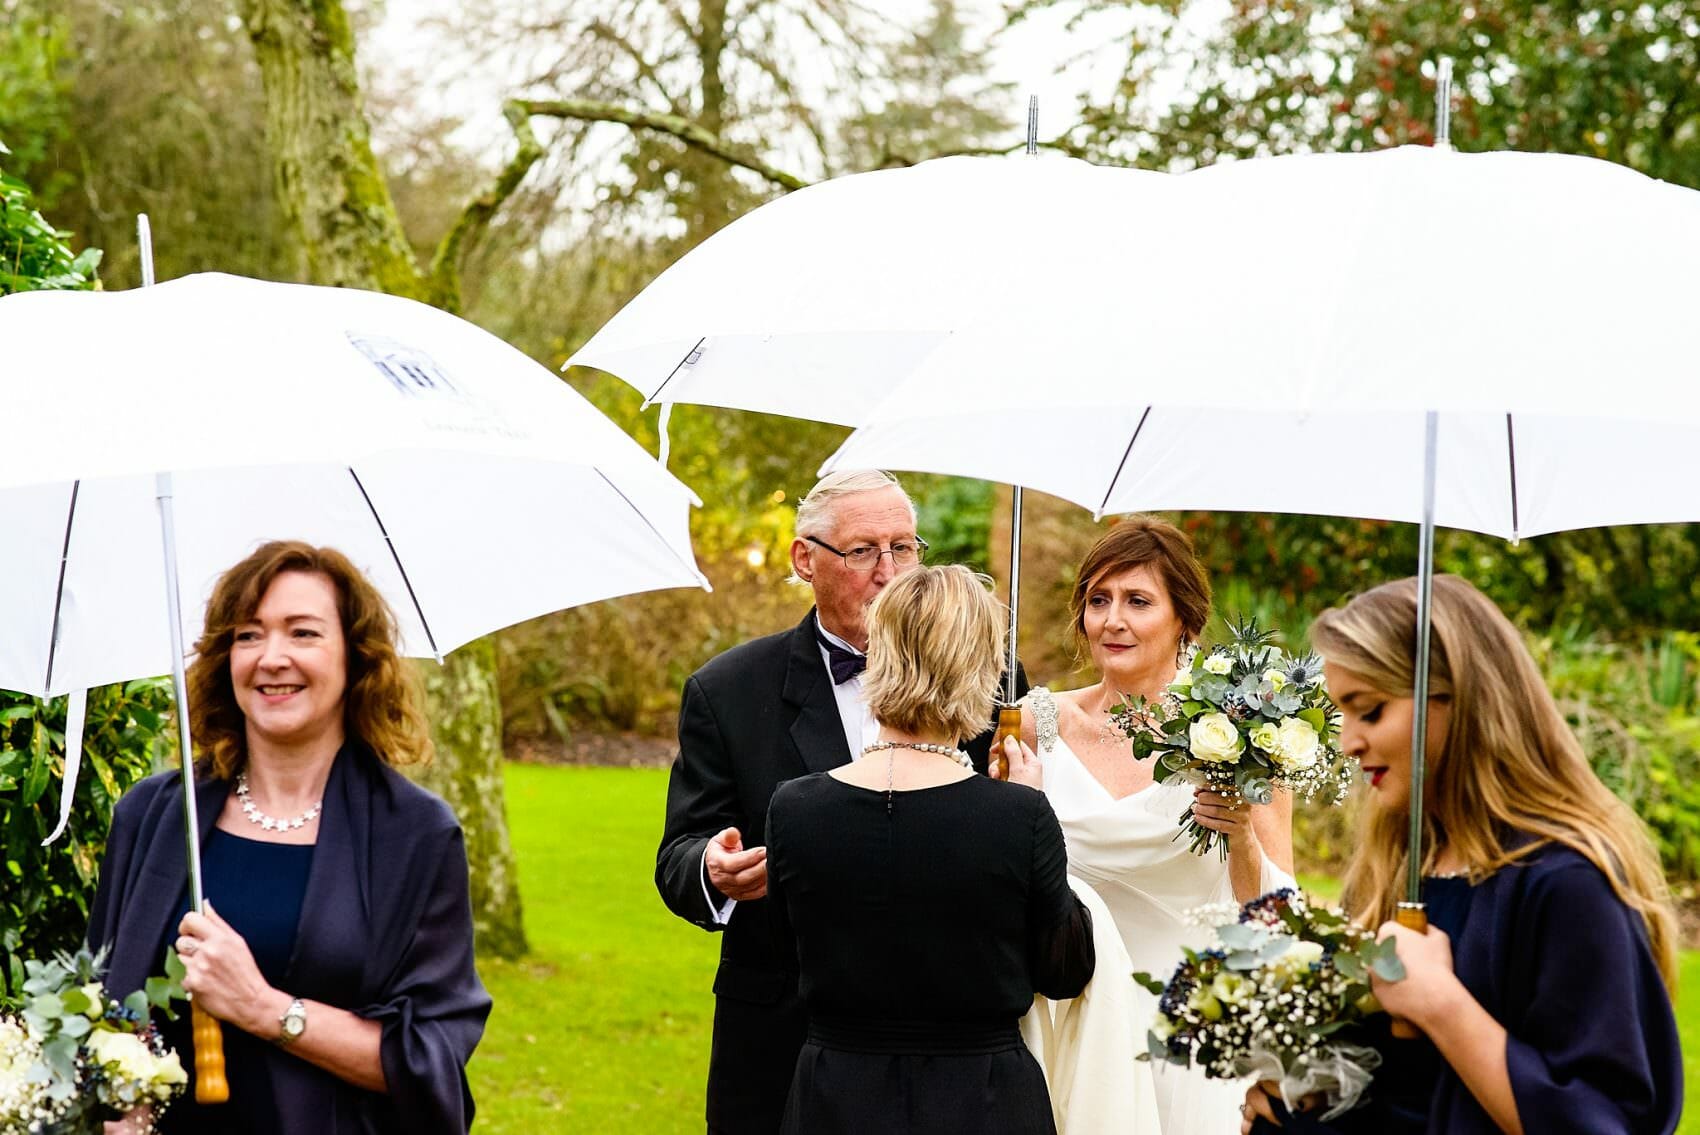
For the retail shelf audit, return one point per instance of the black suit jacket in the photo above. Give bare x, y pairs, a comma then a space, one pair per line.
385, 931
752, 718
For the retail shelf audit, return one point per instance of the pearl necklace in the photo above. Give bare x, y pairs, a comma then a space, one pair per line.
269, 823
956, 755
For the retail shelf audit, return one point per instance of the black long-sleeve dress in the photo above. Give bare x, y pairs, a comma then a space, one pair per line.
1554, 956
925, 921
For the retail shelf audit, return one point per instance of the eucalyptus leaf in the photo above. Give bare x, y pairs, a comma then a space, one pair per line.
1157, 1050
46, 1005
1387, 965
1243, 960
1148, 983
1242, 935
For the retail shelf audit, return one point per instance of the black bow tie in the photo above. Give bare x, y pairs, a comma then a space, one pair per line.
842, 661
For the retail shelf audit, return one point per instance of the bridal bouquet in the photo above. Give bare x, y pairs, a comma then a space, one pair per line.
1244, 719
1270, 1000
72, 1058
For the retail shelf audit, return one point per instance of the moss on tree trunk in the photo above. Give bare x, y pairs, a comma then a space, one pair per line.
466, 724
334, 195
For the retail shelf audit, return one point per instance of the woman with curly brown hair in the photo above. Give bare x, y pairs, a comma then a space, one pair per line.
336, 940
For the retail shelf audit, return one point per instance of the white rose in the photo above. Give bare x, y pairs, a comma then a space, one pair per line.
97, 1001
123, 1051
167, 1074
1299, 957
1182, 682
1215, 738
1232, 989
1219, 664
1299, 744
1276, 679
1267, 737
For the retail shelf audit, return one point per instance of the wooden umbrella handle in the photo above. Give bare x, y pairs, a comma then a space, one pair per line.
1412, 917
1009, 725
210, 1084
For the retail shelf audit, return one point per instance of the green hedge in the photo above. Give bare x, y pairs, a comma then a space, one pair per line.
45, 897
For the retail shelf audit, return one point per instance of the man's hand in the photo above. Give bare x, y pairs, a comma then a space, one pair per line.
733, 871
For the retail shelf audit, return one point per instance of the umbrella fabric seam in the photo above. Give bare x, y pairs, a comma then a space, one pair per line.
1126, 453
399, 566
59, 591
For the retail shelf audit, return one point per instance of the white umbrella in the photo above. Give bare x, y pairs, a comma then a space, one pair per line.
169, 430
475, 487
1514, 328
1495, 342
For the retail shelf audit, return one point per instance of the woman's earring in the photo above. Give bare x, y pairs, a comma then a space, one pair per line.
1183, 654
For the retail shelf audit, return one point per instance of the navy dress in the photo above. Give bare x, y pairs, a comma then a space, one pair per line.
922, 934
1556, 958
257, 887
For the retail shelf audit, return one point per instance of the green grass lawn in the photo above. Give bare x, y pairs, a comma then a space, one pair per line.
605, 1027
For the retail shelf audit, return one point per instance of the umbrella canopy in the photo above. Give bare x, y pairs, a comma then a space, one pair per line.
1491, 341
1416, 278
472, 485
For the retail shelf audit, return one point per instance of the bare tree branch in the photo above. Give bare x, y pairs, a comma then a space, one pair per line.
1060, 144
444, 280
683, 129
645, 70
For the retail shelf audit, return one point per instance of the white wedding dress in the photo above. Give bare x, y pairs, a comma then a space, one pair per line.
1126, 850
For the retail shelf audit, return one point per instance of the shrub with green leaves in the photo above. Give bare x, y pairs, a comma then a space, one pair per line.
45, 892
34, 256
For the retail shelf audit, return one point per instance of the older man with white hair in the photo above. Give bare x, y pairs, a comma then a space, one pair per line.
760, 714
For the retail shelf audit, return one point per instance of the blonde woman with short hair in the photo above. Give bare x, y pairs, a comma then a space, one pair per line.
929, 904
1543, 985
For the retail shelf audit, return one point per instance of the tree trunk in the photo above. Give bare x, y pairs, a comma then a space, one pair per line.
708, 205
466, 724
335, 197
328, 182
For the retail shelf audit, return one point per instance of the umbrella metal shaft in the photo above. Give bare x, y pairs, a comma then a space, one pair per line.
180, 687
1419, 716
1014, 593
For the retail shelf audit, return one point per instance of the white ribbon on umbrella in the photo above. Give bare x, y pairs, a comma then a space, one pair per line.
76, 709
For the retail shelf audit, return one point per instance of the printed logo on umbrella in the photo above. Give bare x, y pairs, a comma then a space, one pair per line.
410, 370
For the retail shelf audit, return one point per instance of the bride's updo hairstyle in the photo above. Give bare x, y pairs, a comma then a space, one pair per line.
1511, 775
935, 652
1145, 541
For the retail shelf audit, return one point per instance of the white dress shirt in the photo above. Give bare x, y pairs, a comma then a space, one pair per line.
860, 730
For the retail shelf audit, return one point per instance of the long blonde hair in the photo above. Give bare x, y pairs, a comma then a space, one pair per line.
1511, 776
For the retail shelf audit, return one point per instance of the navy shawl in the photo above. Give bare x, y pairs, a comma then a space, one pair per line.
385, 932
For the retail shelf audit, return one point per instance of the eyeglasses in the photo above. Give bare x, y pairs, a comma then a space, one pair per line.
903, 553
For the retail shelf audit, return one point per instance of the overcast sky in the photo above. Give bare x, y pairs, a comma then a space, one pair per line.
1041, 56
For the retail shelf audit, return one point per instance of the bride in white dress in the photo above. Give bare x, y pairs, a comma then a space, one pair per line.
1140, 600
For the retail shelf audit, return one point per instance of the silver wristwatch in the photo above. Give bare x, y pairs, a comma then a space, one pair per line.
293, 1022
